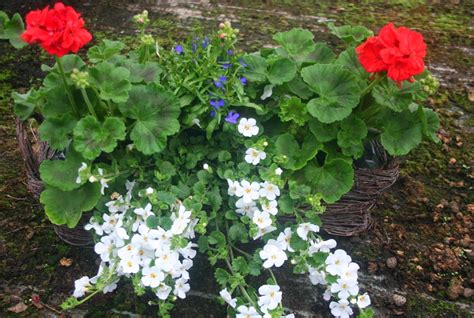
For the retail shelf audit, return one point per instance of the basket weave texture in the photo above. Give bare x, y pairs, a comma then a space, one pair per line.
33, 152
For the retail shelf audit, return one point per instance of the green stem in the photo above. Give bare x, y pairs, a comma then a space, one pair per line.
88, 102
371, 85
66, 87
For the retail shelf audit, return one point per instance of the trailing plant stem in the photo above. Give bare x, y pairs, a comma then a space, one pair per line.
88, 102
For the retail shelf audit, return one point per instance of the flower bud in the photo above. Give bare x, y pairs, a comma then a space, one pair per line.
80, 79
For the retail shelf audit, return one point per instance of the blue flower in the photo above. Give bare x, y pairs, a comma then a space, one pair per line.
220, 82
178, 49
243, 80
232, 117
205, 42
230, 52
213, 113
217, 103
226, 65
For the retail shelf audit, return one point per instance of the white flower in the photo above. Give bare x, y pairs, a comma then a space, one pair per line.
262, 219
233, 186
284, 239
181, 288
103, 181
248, 127
228, 298
247, 312
195, 121
304, 229
81, 168
321, 246
111, 222
181, 221
167, 259
128, 251
272, 254
144, 212
341, 309
205, 166
188, 251
270, 207
104, 248
317, 277
152, 276
278, 171
130, 265
269, 191
81, 286
253, 156
327, 294
350, 271
345, 288
336, 262
182, 269
245, 208
270, 297
363, 301
163, 291
248, 191
94, 225
111, 287
262, 232
149, 191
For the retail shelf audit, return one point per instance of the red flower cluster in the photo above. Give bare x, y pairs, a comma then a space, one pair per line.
58, 31
400, 52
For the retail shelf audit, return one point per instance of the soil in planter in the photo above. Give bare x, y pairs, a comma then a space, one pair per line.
421, 244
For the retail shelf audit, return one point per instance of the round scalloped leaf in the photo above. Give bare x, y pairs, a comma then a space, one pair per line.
402, 132
156, 113
281, 71
430, 124
332, 180
104, 50
62, 174
323, 132
56, 131
113, 82
393, 97
292, 109
256, 69
337, 88
297, 156
353, 131
92, 137
66, 207
296, 41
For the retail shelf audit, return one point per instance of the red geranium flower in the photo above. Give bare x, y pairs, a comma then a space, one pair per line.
400, 52
58, 31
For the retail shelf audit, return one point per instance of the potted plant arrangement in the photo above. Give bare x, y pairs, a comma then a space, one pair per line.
203, 148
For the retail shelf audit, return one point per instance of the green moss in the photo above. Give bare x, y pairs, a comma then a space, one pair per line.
421, 307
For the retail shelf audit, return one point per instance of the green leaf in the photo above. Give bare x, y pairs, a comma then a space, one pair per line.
155, 112
402, 132
62, 174
56, 103
298, 86
292, 109
332, 180
323, 132
25, 104
298, 190
104, 50
297, 243
66, 207
91, 137
349, 60
322, 54
148, 72
238, 232
166, 197
281, 71
57, 131
222, 276
393, 97
71, 62
113, 82
350, 34
430, 124
286, 204
366, 313
296, 41
350, 136
203, 243
256, 69
217, 238
12, 29
297, 156
240, 265
337, 89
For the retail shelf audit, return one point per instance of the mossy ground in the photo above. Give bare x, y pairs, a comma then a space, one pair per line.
425, 220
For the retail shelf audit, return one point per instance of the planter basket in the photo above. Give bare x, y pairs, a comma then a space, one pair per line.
351, 214
34, 152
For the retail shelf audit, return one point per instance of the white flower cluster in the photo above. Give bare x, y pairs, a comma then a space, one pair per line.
346, 287
129, 247
257, 200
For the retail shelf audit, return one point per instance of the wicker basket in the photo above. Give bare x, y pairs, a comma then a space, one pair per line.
34, 152
351, 214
